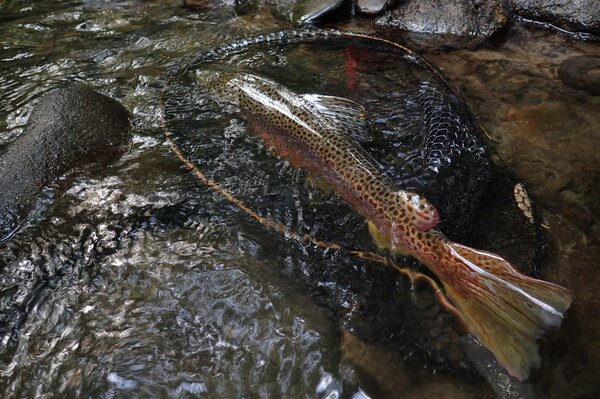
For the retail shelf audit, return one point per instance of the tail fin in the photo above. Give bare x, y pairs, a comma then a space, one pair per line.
507, 310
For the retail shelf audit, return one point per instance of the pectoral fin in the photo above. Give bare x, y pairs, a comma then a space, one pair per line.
342, 114
381, 240
320, 183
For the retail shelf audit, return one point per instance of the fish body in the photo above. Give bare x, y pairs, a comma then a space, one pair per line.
315, 132
450, 165
508, 311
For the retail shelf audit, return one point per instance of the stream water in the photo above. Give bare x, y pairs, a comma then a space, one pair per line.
135, 280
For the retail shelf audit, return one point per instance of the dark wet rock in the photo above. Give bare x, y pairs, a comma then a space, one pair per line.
504, 385
298, 11
310, 11
68, 128
196, 4
573, 15
374, 7
478, 18
582, 73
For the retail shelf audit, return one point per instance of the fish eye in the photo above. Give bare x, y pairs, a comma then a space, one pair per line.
418, 202
425, 206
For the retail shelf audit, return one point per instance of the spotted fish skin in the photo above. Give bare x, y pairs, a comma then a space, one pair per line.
507, 310
310, 131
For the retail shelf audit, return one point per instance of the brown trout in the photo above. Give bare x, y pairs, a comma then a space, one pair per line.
507, 310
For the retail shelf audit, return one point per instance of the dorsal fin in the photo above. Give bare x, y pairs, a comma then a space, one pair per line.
341, 113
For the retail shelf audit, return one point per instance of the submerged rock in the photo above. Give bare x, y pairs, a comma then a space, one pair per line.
68, 128
573, 15
373, 7
582, 73
504, 385
478, 18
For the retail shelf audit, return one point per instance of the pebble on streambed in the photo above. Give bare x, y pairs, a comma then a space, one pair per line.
581, 73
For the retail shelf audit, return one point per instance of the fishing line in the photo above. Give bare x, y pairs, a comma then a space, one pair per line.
414, 276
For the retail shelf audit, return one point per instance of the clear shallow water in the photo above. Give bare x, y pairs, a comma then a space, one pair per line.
549, 134
136, 280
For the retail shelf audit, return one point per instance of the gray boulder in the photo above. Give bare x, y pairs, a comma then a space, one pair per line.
573, 15
68, 128
373, 7
477, 18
